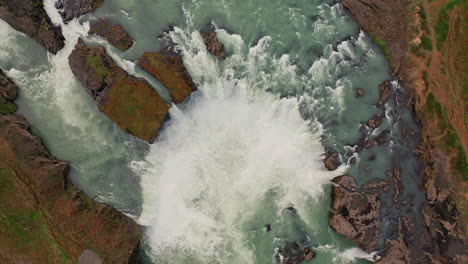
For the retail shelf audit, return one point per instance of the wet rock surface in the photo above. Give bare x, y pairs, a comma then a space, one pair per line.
70, 9
332, 160
66, 221
386, 19
115, 34
212, 43
293, 253
29, 17
8, 93
384, 89
129, 101
439, 237
355, 214
167, 66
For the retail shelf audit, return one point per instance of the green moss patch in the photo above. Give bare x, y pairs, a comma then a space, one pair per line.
442, 26
451, 140
95, 62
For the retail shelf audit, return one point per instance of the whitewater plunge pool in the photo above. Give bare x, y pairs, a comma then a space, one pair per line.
243, 149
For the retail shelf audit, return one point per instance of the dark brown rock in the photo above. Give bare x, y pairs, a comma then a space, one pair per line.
129, 101
331, 160
355, 214
29, 17
70, 9
115, 34
359, 92
8, 93
387, 20
369, 144
382, 137
213, 45
292, 252
385, 92
376, 121
167, 66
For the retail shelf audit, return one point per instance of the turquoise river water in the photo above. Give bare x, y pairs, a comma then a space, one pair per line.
243, 148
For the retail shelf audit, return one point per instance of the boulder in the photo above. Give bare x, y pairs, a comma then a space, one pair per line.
128, 101
355, 214
167, 66
115, 34
376, 121
293, 253
29, 17
70, 9
8, 93
331, 160
359, 92
212, 43
385, 92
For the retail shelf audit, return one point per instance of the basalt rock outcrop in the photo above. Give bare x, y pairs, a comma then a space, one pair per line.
212, 43
45, 219
379, 19
293, 253
167, 66
355, 214
29, 17
128, 101
70, 9
398, 27
115, 34
332, 160
8, 93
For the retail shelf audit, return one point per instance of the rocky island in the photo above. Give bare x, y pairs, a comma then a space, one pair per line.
129, 101
240, 171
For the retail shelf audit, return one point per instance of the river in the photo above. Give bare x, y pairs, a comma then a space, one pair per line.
241, 150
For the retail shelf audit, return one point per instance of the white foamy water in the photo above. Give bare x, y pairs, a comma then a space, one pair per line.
221, 155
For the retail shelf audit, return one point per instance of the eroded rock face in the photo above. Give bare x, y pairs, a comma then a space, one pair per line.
167, 66
213, 44
115, 34
72, 219
8, 93
378, 18
355, 214
29, 17
61, 221
129, 101
70, 9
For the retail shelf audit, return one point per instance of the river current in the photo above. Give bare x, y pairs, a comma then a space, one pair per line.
241, 150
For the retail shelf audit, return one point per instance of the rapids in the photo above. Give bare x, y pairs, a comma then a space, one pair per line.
242, 149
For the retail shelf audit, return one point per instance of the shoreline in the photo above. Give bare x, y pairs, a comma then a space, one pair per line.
444, 191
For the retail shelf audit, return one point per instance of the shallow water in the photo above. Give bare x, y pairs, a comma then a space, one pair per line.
239, 151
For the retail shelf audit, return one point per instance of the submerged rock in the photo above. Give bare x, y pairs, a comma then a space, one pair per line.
355, 214
8, 93
115, 34
29, 17
70, 9
129, 101
293, 253
359, 92
167, 66
331, 160
212, 43
385, 92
